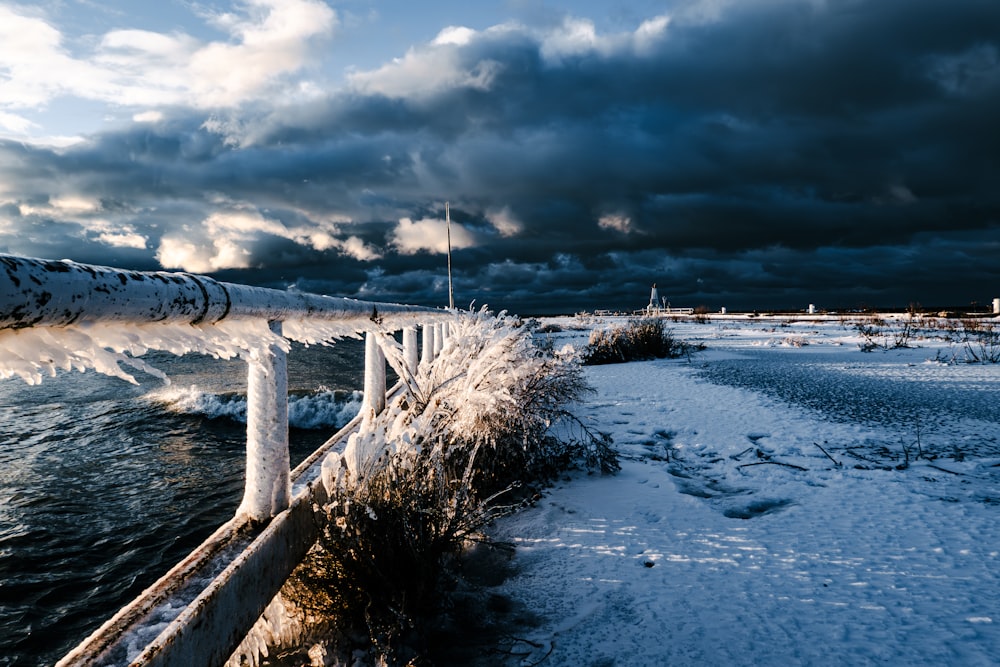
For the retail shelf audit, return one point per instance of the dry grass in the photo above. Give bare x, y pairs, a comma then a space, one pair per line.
465, 444
638, 340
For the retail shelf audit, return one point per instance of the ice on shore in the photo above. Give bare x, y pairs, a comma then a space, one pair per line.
730, 537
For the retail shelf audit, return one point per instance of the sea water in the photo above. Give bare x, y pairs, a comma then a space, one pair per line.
105, 485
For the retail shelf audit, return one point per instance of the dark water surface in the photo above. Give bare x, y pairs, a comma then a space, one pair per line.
102, 490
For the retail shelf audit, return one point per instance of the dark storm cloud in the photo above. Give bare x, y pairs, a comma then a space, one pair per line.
789, 152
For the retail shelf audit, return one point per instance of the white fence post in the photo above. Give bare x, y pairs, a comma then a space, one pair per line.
438, 338
374, 401
268, 485
410, 350
428, 352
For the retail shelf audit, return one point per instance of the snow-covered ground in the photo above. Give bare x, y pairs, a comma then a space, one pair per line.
731, 538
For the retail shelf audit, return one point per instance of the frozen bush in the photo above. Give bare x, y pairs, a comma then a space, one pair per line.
981, 339
448, 455
880, 333
638, 340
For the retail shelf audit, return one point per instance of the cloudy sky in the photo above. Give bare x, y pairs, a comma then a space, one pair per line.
752, 154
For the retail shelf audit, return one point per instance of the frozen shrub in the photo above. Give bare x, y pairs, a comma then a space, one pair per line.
448, 455
981, 339
880, 333
636, 341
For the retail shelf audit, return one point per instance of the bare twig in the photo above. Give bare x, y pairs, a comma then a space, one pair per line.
520, 640
960, 474
776, 463
850, 451
835, 461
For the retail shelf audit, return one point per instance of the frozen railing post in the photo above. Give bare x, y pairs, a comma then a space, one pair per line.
268, 483
438, 338
410, 350
374, 400
428, 348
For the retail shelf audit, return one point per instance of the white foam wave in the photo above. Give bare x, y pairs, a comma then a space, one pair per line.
320, 409
323, 409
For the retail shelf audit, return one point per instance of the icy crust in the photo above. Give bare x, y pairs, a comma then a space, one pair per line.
106, 347
111, 347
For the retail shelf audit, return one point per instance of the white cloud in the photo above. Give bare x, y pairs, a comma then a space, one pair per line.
148, 117
35, 66
650, 32
439, 65
573, 37
15, 124
116, 235
63, 206
457, 35
617, 222
503, 221
123, 240
354, 247
576, 36
242, 223
180, 253
431, 235
269, 40
425, 71
75, 204
226, 240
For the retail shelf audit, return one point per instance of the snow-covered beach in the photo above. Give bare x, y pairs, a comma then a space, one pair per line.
749, 527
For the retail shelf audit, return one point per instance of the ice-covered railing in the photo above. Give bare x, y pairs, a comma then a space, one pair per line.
64, 315
61, 315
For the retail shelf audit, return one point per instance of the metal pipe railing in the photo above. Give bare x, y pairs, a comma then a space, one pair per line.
61, 294
39, 292
65, 294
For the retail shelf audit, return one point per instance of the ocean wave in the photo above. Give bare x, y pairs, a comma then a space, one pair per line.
323, 408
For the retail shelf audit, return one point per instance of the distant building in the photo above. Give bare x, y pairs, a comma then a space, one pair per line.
660, 306
654, 301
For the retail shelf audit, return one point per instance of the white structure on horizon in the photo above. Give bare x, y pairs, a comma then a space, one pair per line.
996, 306
654, 301
660, 306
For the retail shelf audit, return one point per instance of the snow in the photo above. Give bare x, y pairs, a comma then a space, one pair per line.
702, 551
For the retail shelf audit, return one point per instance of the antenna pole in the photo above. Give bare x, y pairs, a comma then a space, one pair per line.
451, 295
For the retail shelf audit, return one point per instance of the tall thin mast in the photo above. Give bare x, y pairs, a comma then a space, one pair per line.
451, 295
